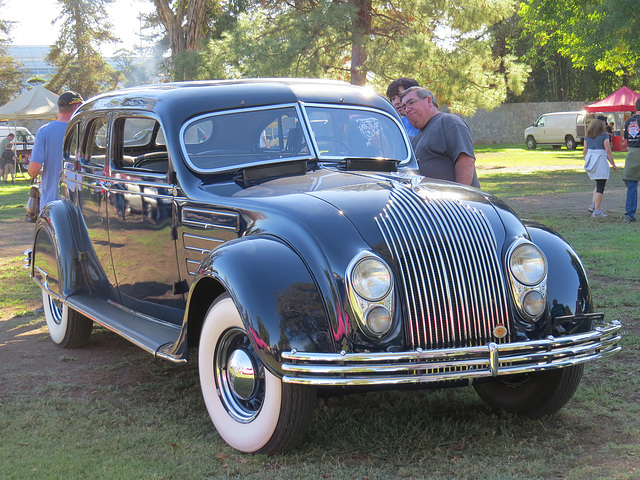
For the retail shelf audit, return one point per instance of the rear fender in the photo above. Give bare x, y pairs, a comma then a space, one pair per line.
63, 261
275, 294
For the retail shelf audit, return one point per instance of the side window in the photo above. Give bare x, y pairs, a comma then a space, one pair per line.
541, 121
141, 145
96, 146
70, 148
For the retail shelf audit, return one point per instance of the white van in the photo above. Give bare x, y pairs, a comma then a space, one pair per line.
23, 140
557, 129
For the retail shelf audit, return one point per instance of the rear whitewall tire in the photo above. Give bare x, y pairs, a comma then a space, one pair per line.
67, 327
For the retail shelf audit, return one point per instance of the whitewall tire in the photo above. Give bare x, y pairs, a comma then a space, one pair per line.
67, 327
252, 409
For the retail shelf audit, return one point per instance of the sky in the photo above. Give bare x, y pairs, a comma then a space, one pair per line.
32, 22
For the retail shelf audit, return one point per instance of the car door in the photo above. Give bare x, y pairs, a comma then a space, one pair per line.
140, 217
88, 185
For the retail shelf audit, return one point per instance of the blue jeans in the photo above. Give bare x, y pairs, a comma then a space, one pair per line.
632, 198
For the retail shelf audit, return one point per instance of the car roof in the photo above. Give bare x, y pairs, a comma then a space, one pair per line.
182, 100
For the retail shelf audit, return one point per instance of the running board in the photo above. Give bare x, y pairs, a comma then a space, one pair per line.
148, 333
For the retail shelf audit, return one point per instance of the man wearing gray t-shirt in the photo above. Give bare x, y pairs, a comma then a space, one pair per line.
443, 146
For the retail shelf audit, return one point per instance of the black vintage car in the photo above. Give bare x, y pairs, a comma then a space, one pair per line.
281, 227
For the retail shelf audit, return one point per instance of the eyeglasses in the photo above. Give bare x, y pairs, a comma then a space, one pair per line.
411, 102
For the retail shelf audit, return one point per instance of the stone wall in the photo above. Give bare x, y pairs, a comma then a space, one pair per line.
506, 124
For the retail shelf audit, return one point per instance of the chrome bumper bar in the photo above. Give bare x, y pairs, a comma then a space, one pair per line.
425, 366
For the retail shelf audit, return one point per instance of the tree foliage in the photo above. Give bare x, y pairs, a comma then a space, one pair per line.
444, 44
553, 76
593, 34
80, 67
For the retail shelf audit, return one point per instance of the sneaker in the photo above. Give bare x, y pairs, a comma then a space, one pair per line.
628, 219
591, 208
598, 213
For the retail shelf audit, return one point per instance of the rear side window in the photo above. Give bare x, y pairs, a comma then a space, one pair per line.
70, 148
96, 146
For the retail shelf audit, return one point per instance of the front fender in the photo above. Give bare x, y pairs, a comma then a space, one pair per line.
64, 262
567, 284
276, 296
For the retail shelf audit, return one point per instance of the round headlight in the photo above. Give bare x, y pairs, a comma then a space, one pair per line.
371, 279
533, 303
528, 264
378, 320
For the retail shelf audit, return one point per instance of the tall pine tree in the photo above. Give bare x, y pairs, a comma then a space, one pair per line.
80, 67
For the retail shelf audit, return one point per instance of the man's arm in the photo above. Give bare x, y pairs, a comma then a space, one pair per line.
464, 169
34, 169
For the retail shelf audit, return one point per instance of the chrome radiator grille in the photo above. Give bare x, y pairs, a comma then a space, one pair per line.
451, 281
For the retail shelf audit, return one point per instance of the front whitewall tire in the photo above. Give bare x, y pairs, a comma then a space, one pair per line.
279, 423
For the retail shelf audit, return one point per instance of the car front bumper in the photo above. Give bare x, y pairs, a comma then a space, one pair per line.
451, 364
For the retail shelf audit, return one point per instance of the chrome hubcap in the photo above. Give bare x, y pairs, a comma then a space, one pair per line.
239, 376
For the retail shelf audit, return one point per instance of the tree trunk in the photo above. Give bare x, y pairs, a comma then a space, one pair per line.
173, 23
361, 29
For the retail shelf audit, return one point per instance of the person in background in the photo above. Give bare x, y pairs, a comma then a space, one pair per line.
3, 144
597, 150
394, 90
8, 163
46, 156
443, 146
632, 164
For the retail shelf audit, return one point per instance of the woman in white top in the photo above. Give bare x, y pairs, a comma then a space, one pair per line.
597, 150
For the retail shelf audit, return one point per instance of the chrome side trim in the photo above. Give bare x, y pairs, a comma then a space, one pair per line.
469, 363
202, 218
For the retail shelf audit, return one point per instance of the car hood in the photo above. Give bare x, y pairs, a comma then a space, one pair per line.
365, 199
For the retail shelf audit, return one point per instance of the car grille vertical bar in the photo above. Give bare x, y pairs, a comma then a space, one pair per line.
452, 284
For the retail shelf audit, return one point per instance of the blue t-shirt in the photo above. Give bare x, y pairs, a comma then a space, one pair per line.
411, 130
596, 143
47, 151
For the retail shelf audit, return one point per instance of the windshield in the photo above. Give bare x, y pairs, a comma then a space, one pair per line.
242, 138
356, 133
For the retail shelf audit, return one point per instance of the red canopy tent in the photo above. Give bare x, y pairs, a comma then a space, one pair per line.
622, 100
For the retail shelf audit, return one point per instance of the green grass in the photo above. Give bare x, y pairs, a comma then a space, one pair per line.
141, 418
13, 199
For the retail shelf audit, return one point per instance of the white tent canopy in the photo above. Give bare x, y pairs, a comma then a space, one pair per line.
35, 104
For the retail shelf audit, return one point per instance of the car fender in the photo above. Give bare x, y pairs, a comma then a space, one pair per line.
63, 260
276, 295
567, 283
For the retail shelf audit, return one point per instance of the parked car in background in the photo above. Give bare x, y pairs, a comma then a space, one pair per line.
282, 228
557, 129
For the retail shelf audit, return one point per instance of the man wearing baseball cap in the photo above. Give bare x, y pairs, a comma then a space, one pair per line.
46, 156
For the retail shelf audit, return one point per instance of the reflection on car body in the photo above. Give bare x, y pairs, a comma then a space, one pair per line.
281, 227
